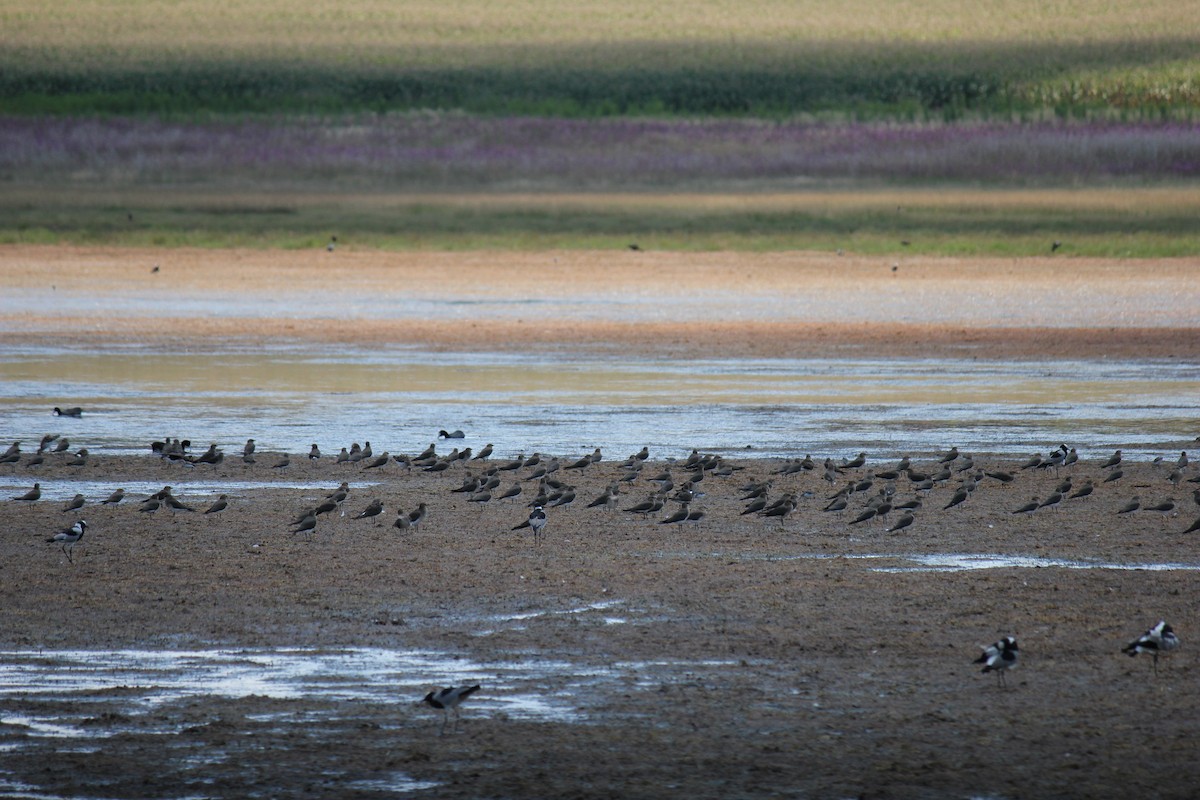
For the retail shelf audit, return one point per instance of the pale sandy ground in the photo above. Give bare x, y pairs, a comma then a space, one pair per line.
985, 308
833, 679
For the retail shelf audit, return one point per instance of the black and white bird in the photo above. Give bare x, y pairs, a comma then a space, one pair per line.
315, 452
999, 658
1158, 640
372, 511
536, 522
69, 537
449, 699
74, 411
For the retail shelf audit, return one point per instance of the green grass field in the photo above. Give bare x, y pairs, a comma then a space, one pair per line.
188, 72
914, 59
1126, 223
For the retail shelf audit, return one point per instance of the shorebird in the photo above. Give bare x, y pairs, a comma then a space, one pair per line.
512, 491
1194, 527
949, 456
1165, 507
315, 452
679, 516
536, 522
402, 522
999, 658
33, 495
372, 511
306, 525
69, 537
75, 504
1131, 506
866, 516
73, 411
1158, 640
172, 502
959, 497
901, 523
1084, 491
484, 453
608, 499
150, 505
1029, 507
343, 456
418, 516
1113, 460
113, 498
42, 445
449, 699
378, 462
1052, 501
1182, 461
1115, 475
64, 444
856, 462
12, 455
284, 462
248, 450
219, 505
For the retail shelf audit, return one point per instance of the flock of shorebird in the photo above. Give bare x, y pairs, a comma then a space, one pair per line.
868, 495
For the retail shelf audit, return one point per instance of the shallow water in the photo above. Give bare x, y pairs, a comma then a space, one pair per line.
289, 397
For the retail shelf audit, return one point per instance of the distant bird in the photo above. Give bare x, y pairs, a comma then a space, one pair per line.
418, 516
150, 505
536, 522
1131, 506
1029, 507
1115, 475
999, 658
63, 445
1084, 491
32, 496
444, 434
1113, 460
46, 440
1160, 639
219, 505
449, 699
950, 455
69, 537
1052, 501
1194, 527
315, 452
959, 497
80, 458
1054, 246
306, 525
1164, 508
372, 511
1182, 461
75, 504
284, 462
248, 450
856, 462
329, 248
113, 498
402, 522
512, 491
901, 523
866, 516
484, 453
378, 462
679, 516
74, 411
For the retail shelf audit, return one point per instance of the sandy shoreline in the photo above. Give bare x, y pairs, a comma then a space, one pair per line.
1019, 309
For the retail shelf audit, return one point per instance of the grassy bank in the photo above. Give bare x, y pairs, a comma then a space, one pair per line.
936, 59
1096, 222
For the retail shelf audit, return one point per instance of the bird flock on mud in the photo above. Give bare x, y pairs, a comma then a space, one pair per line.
892, 495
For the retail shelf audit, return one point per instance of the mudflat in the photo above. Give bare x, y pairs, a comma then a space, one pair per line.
738, 655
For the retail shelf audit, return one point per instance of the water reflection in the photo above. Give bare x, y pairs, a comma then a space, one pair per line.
289, 397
